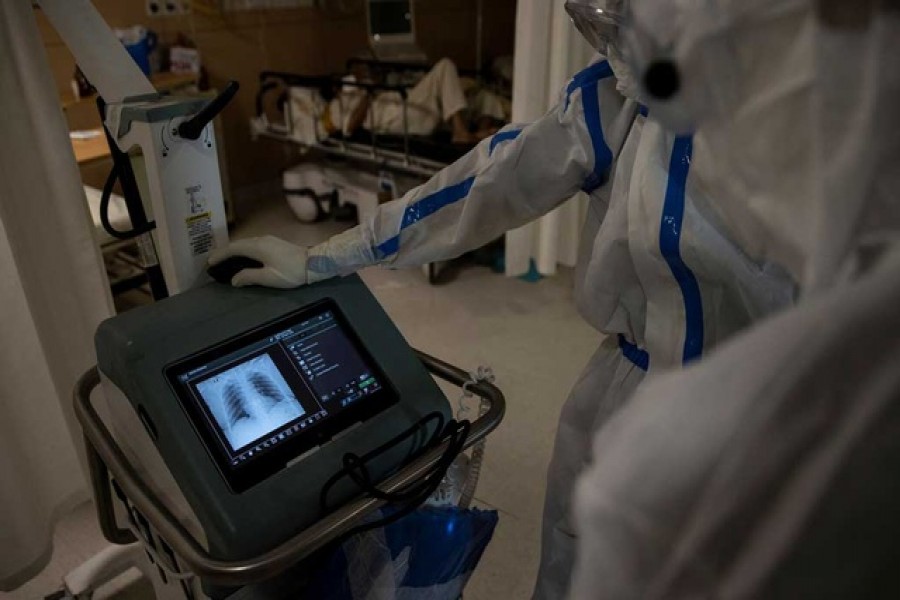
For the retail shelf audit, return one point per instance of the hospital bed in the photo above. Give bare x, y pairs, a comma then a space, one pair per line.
405, 153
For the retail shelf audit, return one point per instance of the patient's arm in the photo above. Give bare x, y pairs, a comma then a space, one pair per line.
358, 116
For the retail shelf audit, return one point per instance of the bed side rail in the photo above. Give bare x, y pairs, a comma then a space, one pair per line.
326, 85
388, 66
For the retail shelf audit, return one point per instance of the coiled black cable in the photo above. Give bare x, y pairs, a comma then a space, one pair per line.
105, 197
413, 495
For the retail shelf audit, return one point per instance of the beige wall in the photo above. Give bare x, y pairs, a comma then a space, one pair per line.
306, 40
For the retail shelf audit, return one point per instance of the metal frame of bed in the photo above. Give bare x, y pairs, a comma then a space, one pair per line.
401, 153
383, 152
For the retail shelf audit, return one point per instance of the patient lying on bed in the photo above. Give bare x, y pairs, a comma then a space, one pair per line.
437, 98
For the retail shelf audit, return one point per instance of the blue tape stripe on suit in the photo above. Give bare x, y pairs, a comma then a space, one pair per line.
422, 208
593, 73
503, 136
669, 245
639, 358
590, 98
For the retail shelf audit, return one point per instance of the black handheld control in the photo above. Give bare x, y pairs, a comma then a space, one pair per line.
224, 271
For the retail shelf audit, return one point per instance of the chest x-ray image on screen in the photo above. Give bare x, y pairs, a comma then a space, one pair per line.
249, 401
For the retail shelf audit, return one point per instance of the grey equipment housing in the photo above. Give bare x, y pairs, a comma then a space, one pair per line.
135, 349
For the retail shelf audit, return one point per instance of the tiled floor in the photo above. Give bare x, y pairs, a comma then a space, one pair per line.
528, 332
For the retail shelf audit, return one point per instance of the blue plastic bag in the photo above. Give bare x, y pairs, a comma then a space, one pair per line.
427, 555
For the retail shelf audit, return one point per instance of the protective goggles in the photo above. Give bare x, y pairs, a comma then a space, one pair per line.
599, 21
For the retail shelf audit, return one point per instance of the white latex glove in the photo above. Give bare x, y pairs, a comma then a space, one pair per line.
284, 262
287, 265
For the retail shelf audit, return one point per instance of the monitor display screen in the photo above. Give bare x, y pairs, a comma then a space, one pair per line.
269, 395
390, 17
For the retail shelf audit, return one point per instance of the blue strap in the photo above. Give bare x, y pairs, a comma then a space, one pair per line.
592, 74
503, 136
422, 208
642, 110
590, 98
669, 245
640, 358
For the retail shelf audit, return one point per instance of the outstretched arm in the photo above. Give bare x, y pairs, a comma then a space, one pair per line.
513, 177
509, 179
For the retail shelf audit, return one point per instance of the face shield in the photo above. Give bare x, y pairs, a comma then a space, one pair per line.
598, 21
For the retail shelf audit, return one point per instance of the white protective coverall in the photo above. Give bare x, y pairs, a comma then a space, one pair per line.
656, 272
769, 469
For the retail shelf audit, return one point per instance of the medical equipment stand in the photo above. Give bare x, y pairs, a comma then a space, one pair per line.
175, 176
164, 149
178, 556
167, 156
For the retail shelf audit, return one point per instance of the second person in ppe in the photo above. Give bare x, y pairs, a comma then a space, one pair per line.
657, 274
769, 469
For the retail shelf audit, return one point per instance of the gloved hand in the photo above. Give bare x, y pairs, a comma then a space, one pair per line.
284, 262
287, 265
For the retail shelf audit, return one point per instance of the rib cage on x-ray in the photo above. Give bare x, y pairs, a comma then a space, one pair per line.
266, 388
234, 403
250, 400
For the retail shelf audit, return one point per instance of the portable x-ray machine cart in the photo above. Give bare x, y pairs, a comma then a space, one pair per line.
243, 430
240, 423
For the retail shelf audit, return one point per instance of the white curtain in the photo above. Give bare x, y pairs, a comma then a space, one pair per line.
549, 51
53, 293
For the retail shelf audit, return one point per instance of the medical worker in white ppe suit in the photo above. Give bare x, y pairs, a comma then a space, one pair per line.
658, 273
770, 468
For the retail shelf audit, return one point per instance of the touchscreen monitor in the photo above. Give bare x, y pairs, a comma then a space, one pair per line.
264, 398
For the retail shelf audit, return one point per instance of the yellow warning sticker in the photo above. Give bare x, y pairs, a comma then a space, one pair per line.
200, 233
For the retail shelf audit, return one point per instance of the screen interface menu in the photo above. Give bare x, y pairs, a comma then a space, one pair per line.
278, 387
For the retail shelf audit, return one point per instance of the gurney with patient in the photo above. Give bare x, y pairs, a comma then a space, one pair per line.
408, 118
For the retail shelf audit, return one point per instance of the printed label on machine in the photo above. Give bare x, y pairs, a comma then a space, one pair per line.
147, 251
200, 233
